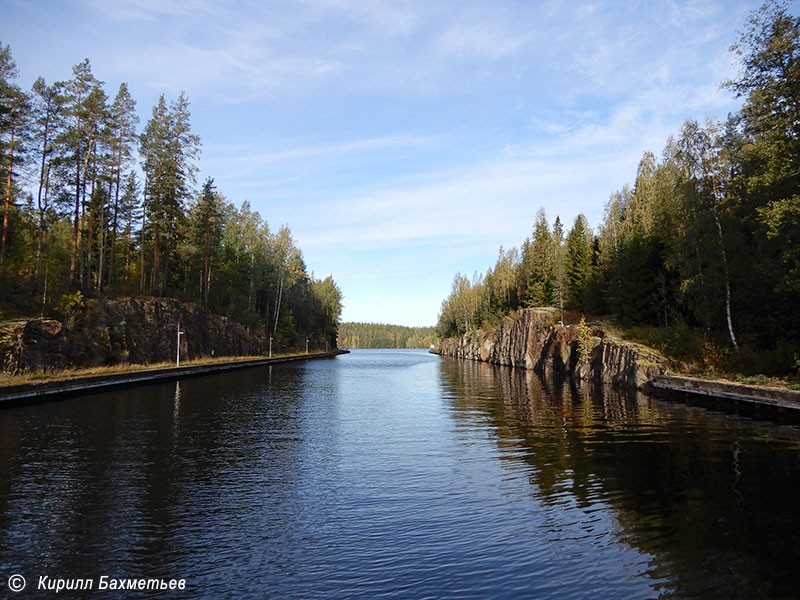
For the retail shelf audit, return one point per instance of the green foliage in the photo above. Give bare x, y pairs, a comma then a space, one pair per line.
88, 227
69, 306
585, 345
641, 265
536, 278
579, 262
378, 335
705, 247
549, 270
70, 303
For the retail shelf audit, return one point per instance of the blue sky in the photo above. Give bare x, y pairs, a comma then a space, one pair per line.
403, 141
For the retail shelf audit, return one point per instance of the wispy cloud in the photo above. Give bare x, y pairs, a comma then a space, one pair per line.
404, 139
492, 203
479, 39
396, 18
241, 161
147, 10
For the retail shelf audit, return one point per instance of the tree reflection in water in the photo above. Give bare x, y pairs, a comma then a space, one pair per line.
710, 496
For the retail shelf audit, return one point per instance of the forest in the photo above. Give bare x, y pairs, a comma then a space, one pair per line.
378, 335
95, 206
704, 246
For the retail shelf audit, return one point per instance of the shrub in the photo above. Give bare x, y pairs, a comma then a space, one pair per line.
68, 306
585, 345
70, 303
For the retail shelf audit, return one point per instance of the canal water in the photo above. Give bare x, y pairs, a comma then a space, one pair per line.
398, 474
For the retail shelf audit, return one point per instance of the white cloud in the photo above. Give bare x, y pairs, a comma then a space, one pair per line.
479, 39
241, 161
491, 203
147, 10
384, 17
415, 133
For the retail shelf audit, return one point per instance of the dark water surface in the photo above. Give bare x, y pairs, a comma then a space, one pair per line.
397, 474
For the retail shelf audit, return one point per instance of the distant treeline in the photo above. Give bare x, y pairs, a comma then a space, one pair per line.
95, 206
707, 238
377, 335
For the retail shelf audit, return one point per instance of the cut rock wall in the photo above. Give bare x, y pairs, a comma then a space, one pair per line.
534, 340
124, 330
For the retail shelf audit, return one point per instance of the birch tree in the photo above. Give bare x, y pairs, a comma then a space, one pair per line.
705, 162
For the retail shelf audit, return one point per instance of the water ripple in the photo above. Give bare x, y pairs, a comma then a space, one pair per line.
400, 475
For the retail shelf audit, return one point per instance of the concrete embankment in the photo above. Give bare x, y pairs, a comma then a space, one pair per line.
534, 340
29, 393
729, 393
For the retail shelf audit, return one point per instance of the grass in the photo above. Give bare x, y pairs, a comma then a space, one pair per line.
7, 379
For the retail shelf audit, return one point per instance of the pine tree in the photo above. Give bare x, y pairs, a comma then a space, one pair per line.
83, 93
559, 267
538, 258
48, 119
130, 209
14, 115
122, 123
169, 149
207, 216
579, 262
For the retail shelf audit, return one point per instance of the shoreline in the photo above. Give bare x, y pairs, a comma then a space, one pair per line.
727, 393
43, 391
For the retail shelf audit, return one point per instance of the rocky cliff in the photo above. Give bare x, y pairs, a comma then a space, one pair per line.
534, 340
125, 330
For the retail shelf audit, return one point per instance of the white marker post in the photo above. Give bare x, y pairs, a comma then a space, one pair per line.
178, 355
270, 346
306, 345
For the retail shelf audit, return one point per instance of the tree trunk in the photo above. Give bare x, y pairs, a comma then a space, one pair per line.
208, 284
278, 303
81, 214
141, 242
8, 198
252, 282
74, 250
206, 265
727, 279
114, 217
155, 270
103, 237
43, 174
40, 237
165, 279
127, 246
91, 226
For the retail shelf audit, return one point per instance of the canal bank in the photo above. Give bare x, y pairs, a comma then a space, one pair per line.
30, 393
533, 339
728, 394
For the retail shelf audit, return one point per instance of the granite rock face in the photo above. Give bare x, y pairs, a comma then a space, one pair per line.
534, 340
125, 330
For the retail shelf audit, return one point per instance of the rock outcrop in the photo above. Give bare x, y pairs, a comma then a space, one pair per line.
125, 330
534, 340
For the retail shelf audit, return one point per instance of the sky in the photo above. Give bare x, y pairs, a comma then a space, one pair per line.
403, 141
